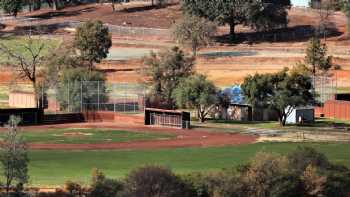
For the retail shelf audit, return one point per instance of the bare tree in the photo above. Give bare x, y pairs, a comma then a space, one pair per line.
26, 58
14, 157
324, 10
195, 32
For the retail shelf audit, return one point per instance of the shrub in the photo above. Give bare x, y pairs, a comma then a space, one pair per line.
223, 183
73, 188
152, 181
227, 183
264, 174
302, 157
198, 183
104, 187
338, 181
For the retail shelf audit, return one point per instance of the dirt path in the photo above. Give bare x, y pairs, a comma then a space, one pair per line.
185, 138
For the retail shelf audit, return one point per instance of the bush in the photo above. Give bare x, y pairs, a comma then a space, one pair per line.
302, 157
152, 181
338, 181
268, 175
198, 183
73, 188
104, 187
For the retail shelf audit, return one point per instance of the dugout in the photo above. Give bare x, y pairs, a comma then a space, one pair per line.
167, 118
29, 116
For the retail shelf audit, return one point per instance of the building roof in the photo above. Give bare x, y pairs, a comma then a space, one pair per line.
165, 110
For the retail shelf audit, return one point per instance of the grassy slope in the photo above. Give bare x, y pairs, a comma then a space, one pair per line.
53, 168
87, 136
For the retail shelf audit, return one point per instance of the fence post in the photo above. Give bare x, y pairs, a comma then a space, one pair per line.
81, 96
56, 100
134, 107
113, 95
98, 95
68, 103
124, 97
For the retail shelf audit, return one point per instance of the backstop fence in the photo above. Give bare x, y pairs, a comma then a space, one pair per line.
76, 96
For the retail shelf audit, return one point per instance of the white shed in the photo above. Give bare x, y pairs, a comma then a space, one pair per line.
307, 114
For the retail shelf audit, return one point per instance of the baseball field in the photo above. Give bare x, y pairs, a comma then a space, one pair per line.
63, 152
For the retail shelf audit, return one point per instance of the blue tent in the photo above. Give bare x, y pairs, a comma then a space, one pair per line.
235, 93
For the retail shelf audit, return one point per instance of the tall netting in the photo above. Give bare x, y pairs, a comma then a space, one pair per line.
325, 88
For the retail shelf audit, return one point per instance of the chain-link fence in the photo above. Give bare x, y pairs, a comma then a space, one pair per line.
75, 96
325, 88
83, 96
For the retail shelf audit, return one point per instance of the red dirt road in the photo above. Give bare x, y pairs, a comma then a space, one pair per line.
185, 138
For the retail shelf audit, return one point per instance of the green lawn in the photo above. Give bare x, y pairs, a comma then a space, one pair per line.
53, 168
323, 124
19, 43
87, 136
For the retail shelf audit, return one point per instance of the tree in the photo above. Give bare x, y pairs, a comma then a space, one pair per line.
152, 181
26, 57
165, 71
316, 56
261, 14
230, 12
62, 58
324, 10
11, 6
14, 157
347, 13
194, 31
198, 93
267, 15
81, 89
281, 92
93, 41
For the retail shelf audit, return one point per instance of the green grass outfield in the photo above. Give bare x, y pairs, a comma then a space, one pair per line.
53, 168
87, 136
